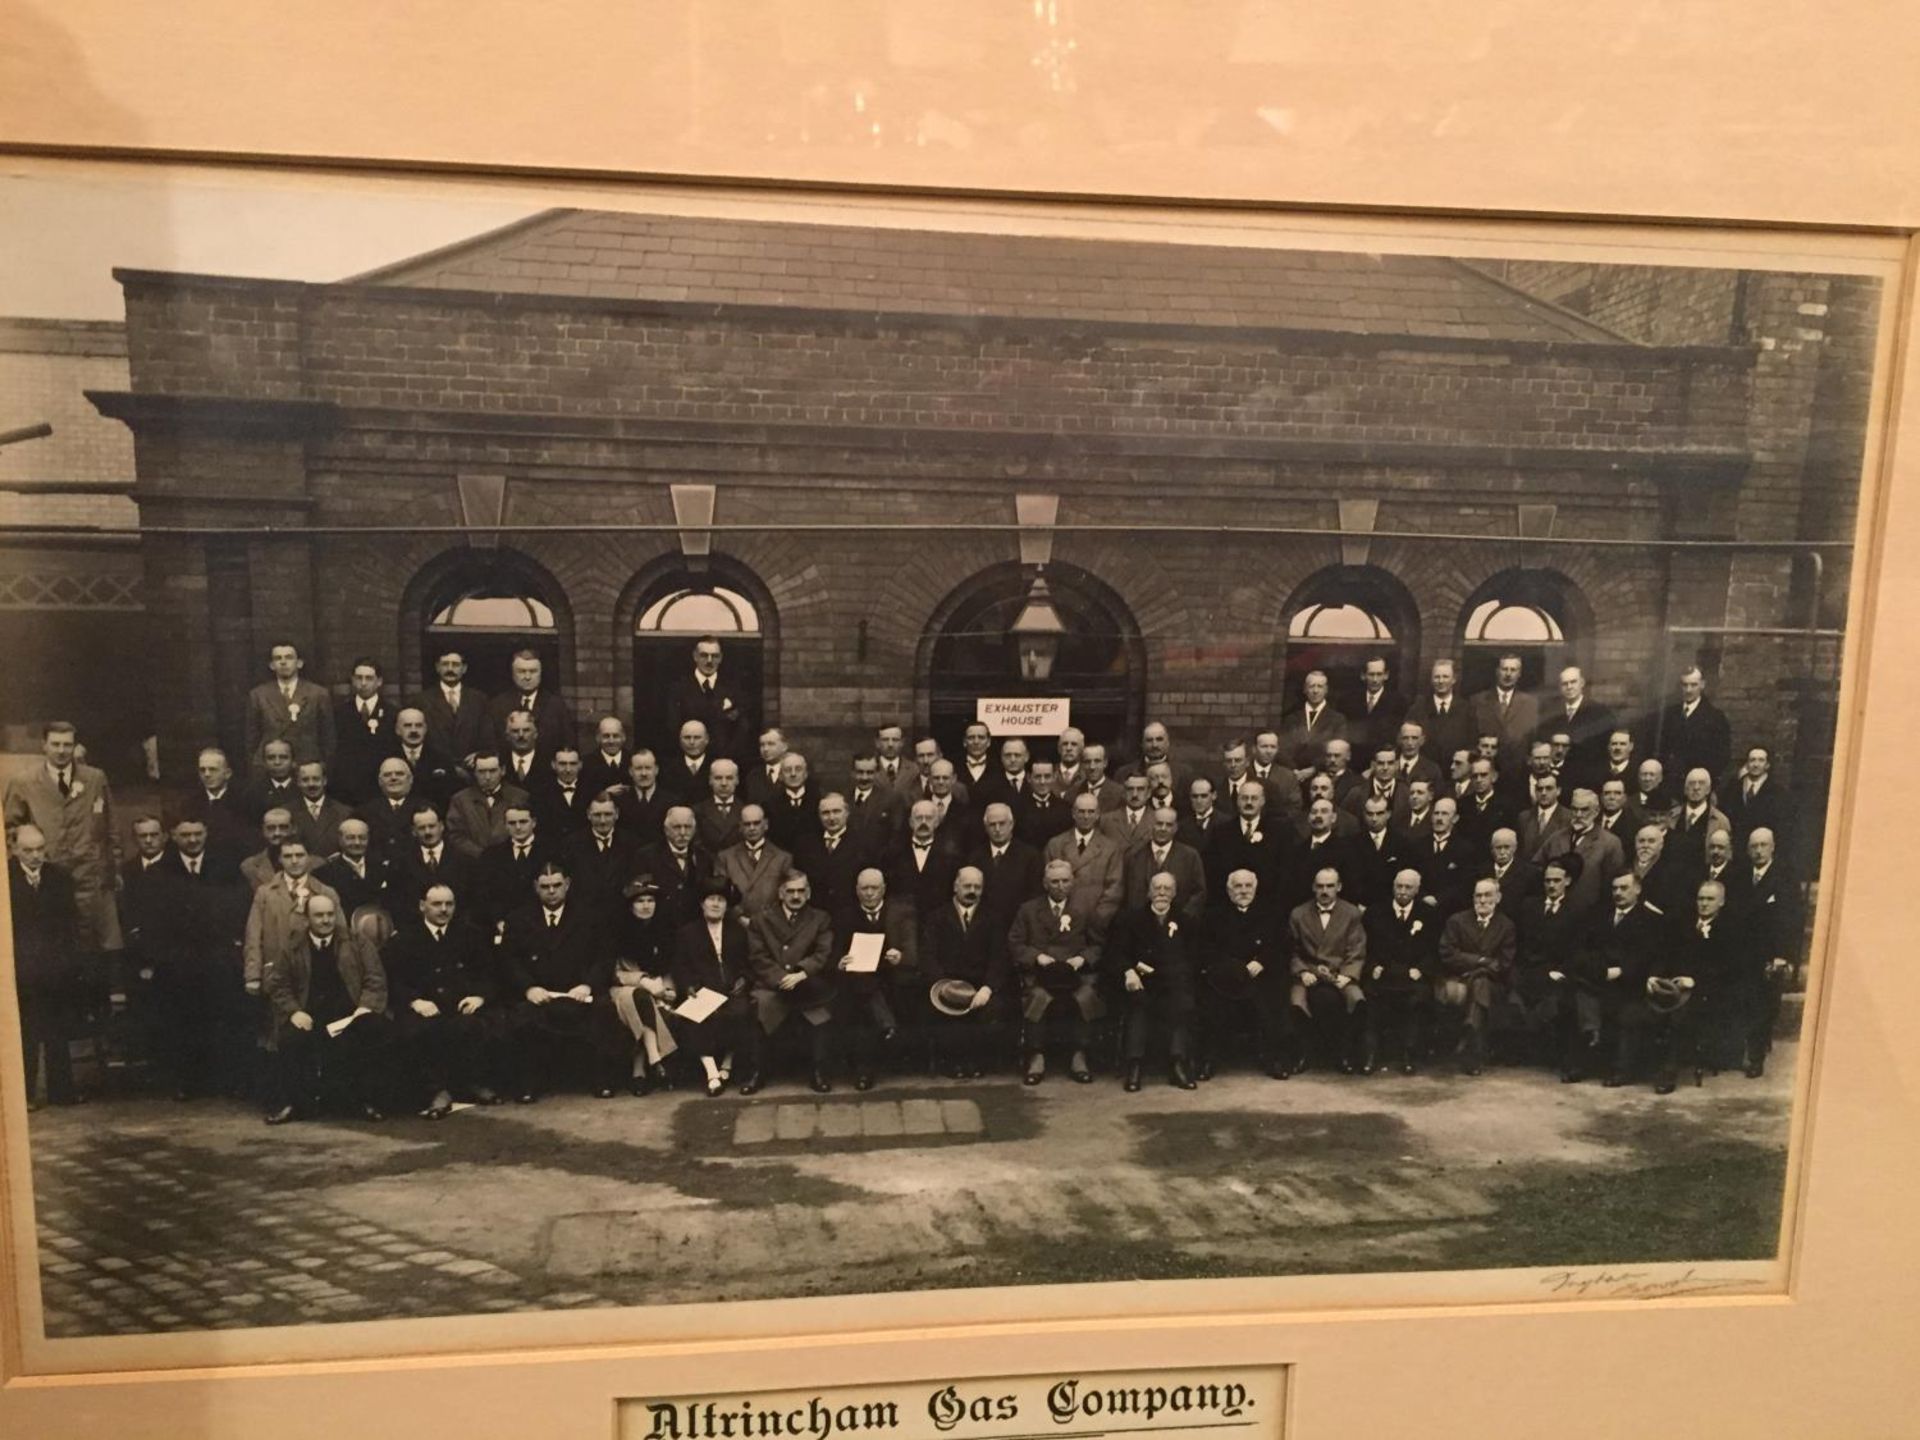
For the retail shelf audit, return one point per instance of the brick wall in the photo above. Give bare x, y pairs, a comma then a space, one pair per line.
45, 368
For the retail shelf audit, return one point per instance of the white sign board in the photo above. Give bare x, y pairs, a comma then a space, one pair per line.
1032, 716
1166, 1404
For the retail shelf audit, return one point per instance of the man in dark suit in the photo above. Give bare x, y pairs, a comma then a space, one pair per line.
363, 732
1621, 764
454, 711
1484, 809
716, 819
559, 799
1587, 724
437, 776
1202, 821
1701, 960
1755, 800
507, 869
1770, 929
1012, 871
430, 859
477, 815
558, 968
47, 979
1694, 732
1380, 854
289, 708
1257, 842
1318, 847
356, 871
678, 863
1447, 863
644, 803
1618, 816
833, 856
317, 816
1005, 783
1150, 954
874, 811
1156, 748
599, 861
272, 786
794, 810
219, 804
871, 1005
761, 781
960, 942
1327, 956
1095, 781
1243, 981
921, 868
1652, 796
685, 777
1517, 877
1445, 721
953, 812
1305, 730
552, 717
390, 817
1046, 814
525, 760
894, 768
605, 766
1164, 853
449, 1015
1477, 948
329, 1002
1553, 933
707, 696
1402, 965
1411, 762
1696, 821
1508, 712
1376, 719
795, 966
1055, 952
1625, 939
206, 1034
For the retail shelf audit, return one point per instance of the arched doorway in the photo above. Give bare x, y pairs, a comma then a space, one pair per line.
1340, 618
968, 653
488, 605
1538, 615
679, 605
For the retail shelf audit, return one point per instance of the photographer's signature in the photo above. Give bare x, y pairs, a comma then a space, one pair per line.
1641, 1284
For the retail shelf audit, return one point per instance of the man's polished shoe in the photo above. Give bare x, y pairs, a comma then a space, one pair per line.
819, 1083
1277, 1070
603, 1092
1181, 1078
441, 1106
1036, 1071
863, 1081
751, 1085
280, 1116
1756, 1070
372, 1112
1612, 1082
1204, 1070
1665, 1087
1077, 1070
1406, 1067
1133, 1075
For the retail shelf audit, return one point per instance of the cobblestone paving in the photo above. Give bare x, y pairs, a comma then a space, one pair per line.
155, 1217
141, 1237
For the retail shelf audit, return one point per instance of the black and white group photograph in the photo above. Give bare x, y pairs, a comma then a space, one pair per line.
572, 758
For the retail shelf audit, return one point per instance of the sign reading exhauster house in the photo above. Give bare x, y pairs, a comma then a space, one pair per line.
1027, 715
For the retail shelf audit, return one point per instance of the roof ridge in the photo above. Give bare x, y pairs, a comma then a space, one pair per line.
1551, 306
513, 229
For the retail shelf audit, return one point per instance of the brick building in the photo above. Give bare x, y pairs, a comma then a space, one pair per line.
69, 594
1507, 469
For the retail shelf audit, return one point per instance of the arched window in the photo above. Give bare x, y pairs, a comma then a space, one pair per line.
1339, 619
686, 611
487, 609
1538, 615
673, 606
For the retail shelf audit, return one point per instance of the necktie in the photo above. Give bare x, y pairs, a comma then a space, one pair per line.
833, 843
193, 866
66, 784
1618, 916
1505, 696
433, 861
707, 686
966, 921
519, 852
434, 930
1553, 907
1083, 844
553, 919
1748, 787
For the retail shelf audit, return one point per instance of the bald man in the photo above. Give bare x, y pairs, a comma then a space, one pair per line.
46, 974
1056, 954
1327, 948
1401, 966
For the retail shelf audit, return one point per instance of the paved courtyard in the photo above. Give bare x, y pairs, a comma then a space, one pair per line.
156, 1216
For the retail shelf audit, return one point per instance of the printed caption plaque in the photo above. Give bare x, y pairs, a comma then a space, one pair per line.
1226, 1404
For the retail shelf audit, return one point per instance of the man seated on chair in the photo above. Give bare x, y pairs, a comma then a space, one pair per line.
448, 1013
329, 1001
791, 950
1327, 941
1053, 948
966, 958
1150, 950
866, 998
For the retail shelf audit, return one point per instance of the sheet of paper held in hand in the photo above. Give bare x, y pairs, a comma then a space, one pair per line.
863, 953
701, 1004
1177, 1404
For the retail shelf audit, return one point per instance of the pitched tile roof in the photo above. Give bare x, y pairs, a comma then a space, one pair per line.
616, 255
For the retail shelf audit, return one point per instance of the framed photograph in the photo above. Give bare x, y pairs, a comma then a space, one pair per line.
702, 812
